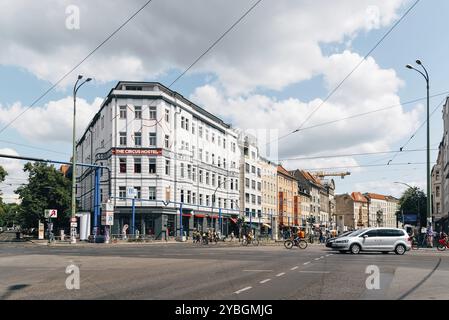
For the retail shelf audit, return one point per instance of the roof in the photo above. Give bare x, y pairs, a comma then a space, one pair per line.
376, 196
358, 197
311, 177
283, 171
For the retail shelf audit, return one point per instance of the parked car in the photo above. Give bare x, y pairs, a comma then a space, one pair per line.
331, 240
374, 239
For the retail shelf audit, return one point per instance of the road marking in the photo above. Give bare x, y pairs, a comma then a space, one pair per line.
294, 268
328, 255
314, 271
257, 270
321, 257
317, 259
266, 280
306, 262
280, 274
241, 290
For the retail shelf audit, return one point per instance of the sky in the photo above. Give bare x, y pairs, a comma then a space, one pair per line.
266, 76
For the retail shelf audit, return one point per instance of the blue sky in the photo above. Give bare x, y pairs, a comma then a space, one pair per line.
418, 36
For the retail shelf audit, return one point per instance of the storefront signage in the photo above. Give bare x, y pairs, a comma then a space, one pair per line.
142, 152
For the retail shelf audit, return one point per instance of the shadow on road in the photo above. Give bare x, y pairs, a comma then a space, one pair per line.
12, 289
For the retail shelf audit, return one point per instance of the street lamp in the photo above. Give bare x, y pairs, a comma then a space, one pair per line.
76, 87
429, 195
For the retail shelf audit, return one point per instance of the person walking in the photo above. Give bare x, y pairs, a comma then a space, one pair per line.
429, 234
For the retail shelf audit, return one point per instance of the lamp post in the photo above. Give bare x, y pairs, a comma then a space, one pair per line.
425, 74
75, 90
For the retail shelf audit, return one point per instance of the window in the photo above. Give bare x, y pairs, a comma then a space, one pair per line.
201, 176
259, 200
189, 196
193, 198
138, 192
247, 197
207, 156
193, 128
437, 191
102, 122
123, 138
152, 136
122, 165
194, 174
219, 181
236, 184
137, 138
201, 199
224, 143
219, 140
247, 182
258, 172
253, 155
233, 146
137, 112
167, 167
213, 137
437, 175
189, 171
253, 184
259, 186
182, 196
247, 168
182, 170
253, 169
200, 154
137, 165
167, 115
152, 113
193, 152
122, 192
167, 141
232, 184
183, 121
187, 124
102, 144
219, 162
200, 131
122, 112
152, 165
152, 193
207, 200
207, 134
371, 233
207, 177
253, 199
224, 163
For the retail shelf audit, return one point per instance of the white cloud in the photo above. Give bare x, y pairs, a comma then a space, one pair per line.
387, 187
53, 121
277, 44
15, 177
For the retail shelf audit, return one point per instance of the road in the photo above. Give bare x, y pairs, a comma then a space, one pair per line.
187, 271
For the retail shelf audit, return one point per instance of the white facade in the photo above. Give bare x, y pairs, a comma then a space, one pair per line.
165, 147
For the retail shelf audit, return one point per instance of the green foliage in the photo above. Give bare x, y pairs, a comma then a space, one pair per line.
8, 214
414, 201
3, 174
47, 189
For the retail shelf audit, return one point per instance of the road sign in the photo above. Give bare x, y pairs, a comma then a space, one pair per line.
73, 224
107, 214
131, 192
73, 220
51, 213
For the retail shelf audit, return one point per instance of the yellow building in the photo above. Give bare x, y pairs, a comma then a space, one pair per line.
269, 194
288, 202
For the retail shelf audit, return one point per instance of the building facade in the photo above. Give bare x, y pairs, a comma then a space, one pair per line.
351, 211
175, 157
269, 195
288, 201
382, 210
251, 181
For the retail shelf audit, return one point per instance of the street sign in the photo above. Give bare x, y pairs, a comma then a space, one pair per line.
131, 192
51, 213
73, 220
107, 214
73, 224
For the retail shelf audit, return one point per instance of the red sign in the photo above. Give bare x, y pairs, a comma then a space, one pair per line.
142, 152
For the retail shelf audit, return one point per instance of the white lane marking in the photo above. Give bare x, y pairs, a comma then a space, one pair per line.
314, 271
294, 268
317, 259
241, 290
321, 257
257, 270
306, 262
280, 274
328, 255
266, 280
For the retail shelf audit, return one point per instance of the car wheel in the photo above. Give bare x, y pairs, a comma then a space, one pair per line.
355, 249
400, 249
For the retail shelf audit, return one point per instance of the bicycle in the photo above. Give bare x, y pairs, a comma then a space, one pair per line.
298, 242
246, 242
443, 244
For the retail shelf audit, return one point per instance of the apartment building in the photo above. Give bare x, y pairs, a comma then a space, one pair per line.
251, 181
351, 211
288, 201
173, 155
269, 196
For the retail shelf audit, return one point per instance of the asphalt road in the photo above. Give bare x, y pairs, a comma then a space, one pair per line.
187, 271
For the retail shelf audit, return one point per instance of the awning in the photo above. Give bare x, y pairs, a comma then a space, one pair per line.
186, 215
213, 217
233, 220
267, 225
198, 215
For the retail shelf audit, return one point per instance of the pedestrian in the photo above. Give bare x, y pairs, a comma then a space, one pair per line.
429, 236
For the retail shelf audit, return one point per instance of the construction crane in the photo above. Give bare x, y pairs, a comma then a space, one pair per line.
322, 174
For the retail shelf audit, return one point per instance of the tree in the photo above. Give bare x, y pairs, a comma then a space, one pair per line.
3, 175
414, 201
47, 188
